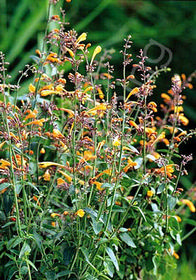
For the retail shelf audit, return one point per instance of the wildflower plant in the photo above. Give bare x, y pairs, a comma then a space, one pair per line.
90, 166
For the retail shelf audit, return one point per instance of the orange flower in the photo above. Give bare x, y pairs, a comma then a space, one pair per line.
132, 123
189, 204
168, 169
57, 134
60, 181
150, 193
134, 91
183, 119
42, 151
37, 122
46, 175
67, 177
130, 164
98, 185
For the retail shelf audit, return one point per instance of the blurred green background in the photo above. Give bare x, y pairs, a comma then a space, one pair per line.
165, 28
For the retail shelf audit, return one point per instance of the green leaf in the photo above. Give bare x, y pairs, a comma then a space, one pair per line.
62, 273
160, 188
109, 268
67, 255
50, 275
171, 202
127, 239
112, 257
97, 226
25, 250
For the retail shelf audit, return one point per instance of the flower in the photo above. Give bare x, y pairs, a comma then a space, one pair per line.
80, 213
81, 38
98, 185
67, 177
189, 204
150, 193
116, 142
46, 175
96, 51
53, 215
134, 91
129, 165
42, 151
60, 181
31, 88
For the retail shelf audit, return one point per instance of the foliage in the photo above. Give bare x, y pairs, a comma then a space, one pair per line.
90, 178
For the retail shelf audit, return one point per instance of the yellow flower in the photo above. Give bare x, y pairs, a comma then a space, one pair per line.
60, 181
42, 151
116, 142
37, 122
178, 218
150, 193
100, 107
80, 213
65, 213
67, 177
189, 204
46, 164
183, 119
53, 224
96, 51
31, 88
134, 91
53, 215
129, 165
81, 38
57, 134
46, 176
132, 123
98, 185
70, 52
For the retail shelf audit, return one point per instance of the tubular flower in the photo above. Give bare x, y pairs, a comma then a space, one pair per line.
80, 213
189, 204
98, 185
134, 91
70, 112
183, 119
168, 170
130, 164
165, 97
57, 134
93, 111
42, 151
31, 114
46, 164
96, 51
53, 215
31, 88
60, 181
37, 122
81, 38
4, 164
46, 176
67, 177
132, 123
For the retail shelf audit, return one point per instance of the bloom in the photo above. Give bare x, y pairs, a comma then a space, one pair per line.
80, 213
189, 204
